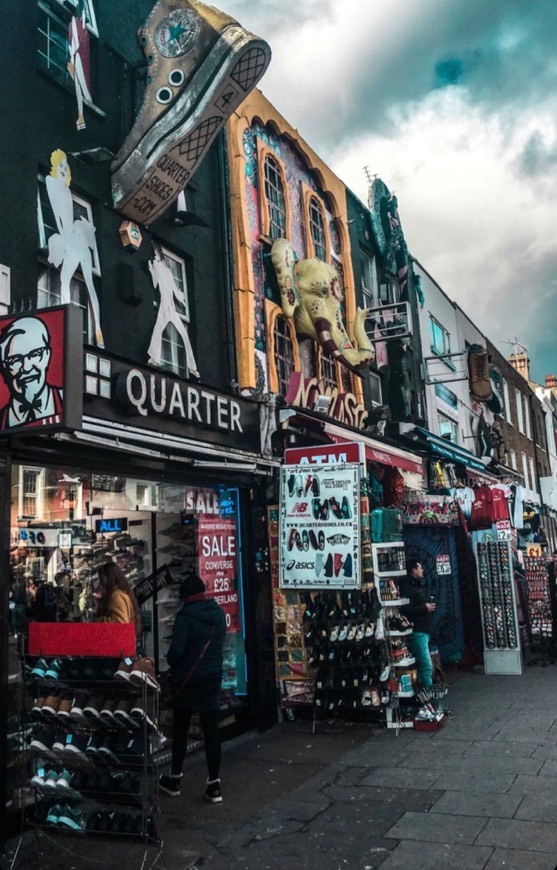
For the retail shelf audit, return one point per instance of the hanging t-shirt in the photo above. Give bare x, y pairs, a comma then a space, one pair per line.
517, 505
499, 504
481, 516
465, 497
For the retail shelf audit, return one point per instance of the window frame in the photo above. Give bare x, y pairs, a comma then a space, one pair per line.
445, 334
527, 422
507, 401
78, 201
39, 494
525, 470
274, 311
308, 196
519, 410
442, 418
264, 153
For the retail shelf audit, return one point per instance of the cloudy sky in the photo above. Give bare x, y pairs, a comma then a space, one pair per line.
453, 104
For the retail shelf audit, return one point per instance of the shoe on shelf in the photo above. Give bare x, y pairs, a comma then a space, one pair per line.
53, 670
213, 792
71, 817
39, 669
143, 671
170, 785
124, 669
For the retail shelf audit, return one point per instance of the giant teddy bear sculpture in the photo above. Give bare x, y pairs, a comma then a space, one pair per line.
310, 292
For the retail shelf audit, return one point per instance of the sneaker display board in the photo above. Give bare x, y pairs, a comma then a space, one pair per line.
502, 653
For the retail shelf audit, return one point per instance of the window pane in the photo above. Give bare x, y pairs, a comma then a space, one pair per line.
284, 356
173, 356
274, 193
317, 229
328, 371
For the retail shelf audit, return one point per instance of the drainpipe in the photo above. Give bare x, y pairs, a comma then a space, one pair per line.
226, 223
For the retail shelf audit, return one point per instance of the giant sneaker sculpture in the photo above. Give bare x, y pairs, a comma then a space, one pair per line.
201, 64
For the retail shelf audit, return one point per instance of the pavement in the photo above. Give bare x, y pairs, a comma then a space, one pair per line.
479, 793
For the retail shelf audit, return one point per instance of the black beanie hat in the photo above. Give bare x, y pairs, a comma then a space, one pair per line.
192, 585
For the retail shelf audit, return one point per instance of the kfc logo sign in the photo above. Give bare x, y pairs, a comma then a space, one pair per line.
40, 369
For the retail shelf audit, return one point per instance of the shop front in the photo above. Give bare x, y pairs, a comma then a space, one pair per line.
164, 478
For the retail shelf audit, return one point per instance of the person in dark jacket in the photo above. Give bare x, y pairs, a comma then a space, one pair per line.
195, 654
418, 611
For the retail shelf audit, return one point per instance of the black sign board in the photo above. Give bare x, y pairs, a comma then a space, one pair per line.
145, 589
109, 526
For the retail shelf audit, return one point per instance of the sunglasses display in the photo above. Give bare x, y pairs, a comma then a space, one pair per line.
497, 595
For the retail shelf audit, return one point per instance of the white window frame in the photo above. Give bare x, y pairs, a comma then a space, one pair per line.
38, 494
514, 463
173, 353
82, 208
443, 419
519, 410
177, 266
90, 17
525, 470
49, 296
373, 376
532, 473
446, 337
507, 401
370, 295
527, 418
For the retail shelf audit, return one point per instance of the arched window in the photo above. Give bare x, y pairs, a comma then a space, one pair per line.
276, 203
317, 229
284, 353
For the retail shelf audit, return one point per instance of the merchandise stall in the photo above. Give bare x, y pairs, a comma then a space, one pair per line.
340, 641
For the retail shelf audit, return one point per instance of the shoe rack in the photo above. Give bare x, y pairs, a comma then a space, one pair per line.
344, 637
389, 564
91, 746
502, 653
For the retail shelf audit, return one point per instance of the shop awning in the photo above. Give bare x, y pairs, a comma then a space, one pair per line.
441, 447
377, 451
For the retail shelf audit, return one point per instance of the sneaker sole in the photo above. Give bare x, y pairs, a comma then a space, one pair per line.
139, 677
213, 800
232, 69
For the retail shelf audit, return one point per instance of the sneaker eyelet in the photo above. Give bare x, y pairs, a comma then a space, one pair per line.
164, 95
176, 78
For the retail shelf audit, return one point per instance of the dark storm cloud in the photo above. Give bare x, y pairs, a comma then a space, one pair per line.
500, 51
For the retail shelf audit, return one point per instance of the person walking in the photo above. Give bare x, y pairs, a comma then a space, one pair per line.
195, 658
419, 612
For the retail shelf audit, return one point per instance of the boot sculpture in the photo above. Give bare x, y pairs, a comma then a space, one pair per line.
201, 64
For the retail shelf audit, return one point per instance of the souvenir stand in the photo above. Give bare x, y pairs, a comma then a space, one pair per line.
340, 642
502, 650
540, 617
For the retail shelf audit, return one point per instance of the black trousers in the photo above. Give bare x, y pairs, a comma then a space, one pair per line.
210, 728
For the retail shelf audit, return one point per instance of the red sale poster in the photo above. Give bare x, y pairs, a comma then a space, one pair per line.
218, 565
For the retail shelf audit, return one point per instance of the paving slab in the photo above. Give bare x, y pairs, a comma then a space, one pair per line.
538, 808
466, 803
535, 785
517, 834
435, 828
471, 782
518, 859
437, 857
400, 778
514, 749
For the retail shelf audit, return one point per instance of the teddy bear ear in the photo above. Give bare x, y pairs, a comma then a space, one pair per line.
284, 259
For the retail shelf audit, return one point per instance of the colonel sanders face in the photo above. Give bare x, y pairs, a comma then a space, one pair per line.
25, 357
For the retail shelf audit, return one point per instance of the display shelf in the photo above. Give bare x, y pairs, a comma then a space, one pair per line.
390, 633
403, 663
396, 602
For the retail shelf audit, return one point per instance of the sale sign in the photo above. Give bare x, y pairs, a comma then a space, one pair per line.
217, 541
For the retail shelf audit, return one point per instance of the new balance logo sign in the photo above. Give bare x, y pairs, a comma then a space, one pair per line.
300, 507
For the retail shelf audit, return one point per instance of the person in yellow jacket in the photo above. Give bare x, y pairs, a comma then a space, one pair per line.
114, 598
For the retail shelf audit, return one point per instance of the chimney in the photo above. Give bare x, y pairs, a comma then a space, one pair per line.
521, 363
551, 381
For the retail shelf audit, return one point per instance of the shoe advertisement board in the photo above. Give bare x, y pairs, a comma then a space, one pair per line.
320, 527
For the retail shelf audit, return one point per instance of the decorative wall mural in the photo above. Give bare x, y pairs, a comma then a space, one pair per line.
170, 294
201, 65
78, 64
310, 292
73, 245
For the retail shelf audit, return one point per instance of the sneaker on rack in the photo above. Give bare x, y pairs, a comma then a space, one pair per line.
75, 745
39, 668
124, 669
142, 710
143, 671
51, 779
80, 702
54, 669
122, 711
213, 792
71, 817
108, 709
170, 785
36, 709
93, 707
53, 814
42, 740
65, 706
38, 779
64, 780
